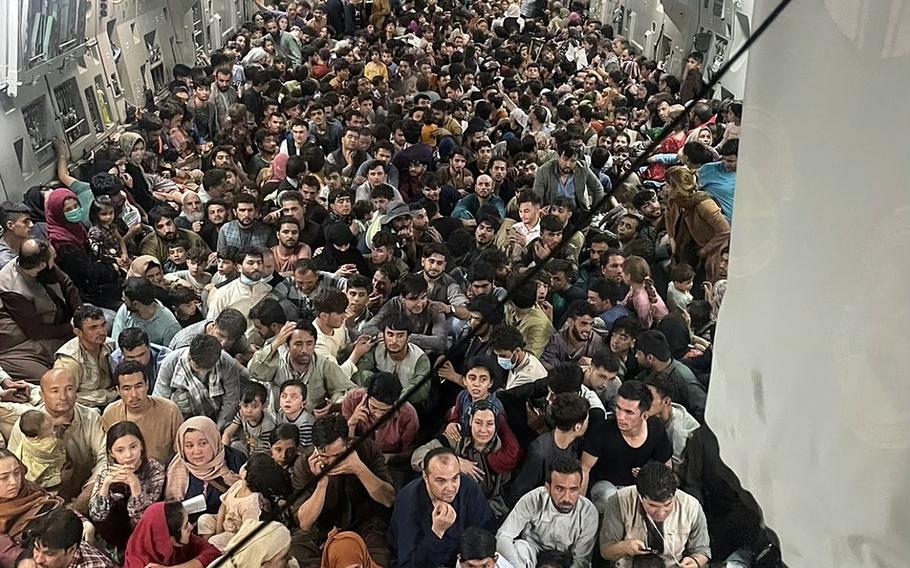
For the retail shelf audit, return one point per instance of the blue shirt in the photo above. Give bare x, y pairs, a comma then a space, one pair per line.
566, 189
411, 539
719, 184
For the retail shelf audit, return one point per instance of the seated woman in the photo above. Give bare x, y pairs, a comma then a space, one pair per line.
344, 549
129, 484
488, 452
97, 280
268, 549
21, 502
148, 267
203, 465
164, 537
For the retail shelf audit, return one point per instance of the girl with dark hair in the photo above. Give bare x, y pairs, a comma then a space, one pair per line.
129, 484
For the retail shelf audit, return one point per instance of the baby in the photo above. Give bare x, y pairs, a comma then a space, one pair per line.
41, 451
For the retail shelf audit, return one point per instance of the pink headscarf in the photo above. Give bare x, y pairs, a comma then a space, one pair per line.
59, 230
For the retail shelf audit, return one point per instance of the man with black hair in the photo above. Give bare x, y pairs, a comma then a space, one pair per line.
161, 218
622, 343
363, 407
569, 415
58, 544
355, 495
719, 178
577, 339
87, 357
243, 293
246, 230
267, 318
693, 83
432, 513
568, 176
445, 293
523, 313
157, 418
563, 290
396, 353
17, 228
589, 270
522, 367
639, 520
653, 354
601, 375
428, 328
679, 423
624, 444
141, 309
478, 550
605, 297
485, 314
203, 380
554, 517
133, 344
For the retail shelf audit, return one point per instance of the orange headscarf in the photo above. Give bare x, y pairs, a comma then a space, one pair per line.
344, 549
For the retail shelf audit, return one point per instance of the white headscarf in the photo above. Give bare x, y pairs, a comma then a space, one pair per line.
273, 539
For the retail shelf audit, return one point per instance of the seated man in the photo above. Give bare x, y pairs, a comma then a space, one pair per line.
291, 355
432, 513
605, 296
577, 338
203, 380
58, 543
478, 550
679, 423
228, 328
134, 345
652, 351
87, 357
569, 413
396, 354
83, 435
362, 407
157, 418
242, 293
429, 331
141, 309
522, 312
354, 496
297, 292
554, 517
624, 444
602, 377
647, 519
522, 367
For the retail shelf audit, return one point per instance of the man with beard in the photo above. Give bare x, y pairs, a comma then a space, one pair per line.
440, 111
431, 513
568, 176
285, 43
141, 309
289, 248
244, 292
469, 206
191, 215
161, 218
444, 292
297, 292
577, 339
554, 517
484, 235
246, 230
224, 96
394, 353
628, 230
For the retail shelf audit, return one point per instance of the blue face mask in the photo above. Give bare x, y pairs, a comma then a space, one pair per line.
247, 281
506, 363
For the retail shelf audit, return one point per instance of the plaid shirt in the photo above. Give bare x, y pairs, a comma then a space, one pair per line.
258, 235
87, 556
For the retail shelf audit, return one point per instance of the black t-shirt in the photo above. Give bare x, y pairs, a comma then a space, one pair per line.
615, 458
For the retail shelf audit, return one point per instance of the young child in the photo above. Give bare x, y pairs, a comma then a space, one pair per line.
679, 291
284, 441
362, 213
176, 257
292, 410
194, 276
185, 304
478, 384
251, 421
42, 451
103, 237
228, 266
257, 495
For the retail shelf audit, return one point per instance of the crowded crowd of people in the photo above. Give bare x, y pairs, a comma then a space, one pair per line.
351, 203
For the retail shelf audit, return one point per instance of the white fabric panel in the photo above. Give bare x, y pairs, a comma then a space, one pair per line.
809, 395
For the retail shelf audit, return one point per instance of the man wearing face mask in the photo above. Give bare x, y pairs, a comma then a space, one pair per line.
244, 292
640, 519
522, 367
38, 301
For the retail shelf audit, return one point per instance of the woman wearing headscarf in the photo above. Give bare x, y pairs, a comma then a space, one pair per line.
97, 280
34, 200
488, 453
21, 502
344, 549
340, 250
268, 549
164, 537
203, 465
698, 230
148, 267
149, 188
